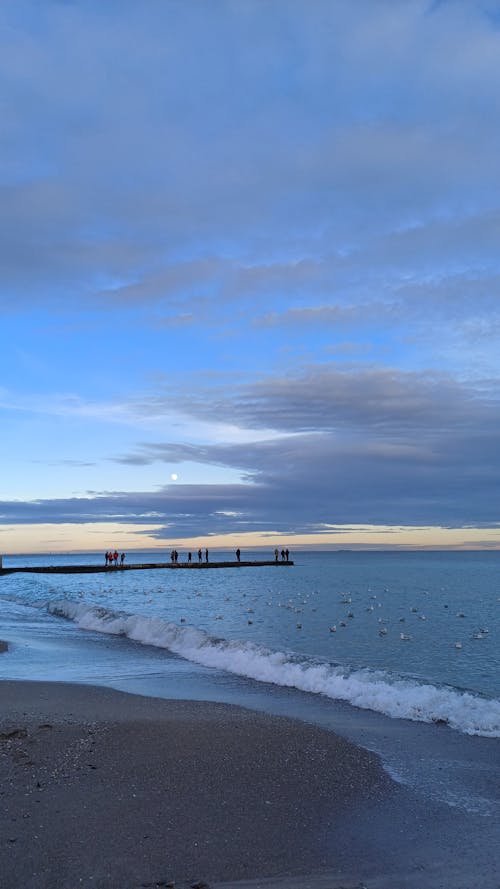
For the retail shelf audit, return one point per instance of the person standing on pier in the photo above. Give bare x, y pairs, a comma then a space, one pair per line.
189, 557
287, 554
122, 559
199, 555
276, 554
206, 555
238, 554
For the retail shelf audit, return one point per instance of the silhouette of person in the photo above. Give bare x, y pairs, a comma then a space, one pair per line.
287, 554
189, 557
276, 554
238, 554
206, 555
199, 555
122, 558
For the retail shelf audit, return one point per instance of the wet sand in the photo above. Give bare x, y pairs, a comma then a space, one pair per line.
104, 789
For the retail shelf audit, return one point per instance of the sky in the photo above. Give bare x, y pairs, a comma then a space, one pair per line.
250, 269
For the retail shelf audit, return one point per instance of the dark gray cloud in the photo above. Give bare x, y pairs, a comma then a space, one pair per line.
357, 399
379, 447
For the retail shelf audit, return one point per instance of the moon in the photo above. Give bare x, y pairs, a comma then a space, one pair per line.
174, 476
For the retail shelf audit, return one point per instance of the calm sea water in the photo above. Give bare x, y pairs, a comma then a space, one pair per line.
412, 635
409, 636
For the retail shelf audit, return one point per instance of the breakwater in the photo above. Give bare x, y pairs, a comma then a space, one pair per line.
138, 566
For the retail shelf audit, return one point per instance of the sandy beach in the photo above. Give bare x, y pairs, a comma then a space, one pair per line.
115, 791
105, 789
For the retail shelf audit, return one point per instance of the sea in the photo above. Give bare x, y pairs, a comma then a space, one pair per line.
397, 651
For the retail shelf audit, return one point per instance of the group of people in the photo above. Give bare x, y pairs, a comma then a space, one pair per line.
174, 556
284, 555
111, 558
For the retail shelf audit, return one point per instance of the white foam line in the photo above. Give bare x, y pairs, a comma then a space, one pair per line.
393, 696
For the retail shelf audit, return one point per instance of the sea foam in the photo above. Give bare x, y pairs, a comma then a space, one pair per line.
370, 690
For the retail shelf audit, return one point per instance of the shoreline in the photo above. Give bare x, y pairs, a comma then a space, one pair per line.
107, 789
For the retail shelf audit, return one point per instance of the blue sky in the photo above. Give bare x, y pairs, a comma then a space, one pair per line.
250, 273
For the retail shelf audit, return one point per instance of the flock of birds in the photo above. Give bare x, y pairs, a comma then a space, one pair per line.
404, 637
298, 606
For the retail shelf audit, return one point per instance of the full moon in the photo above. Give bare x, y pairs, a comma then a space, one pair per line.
174, 476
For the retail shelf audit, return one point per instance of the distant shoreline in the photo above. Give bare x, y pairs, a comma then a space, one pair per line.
314, 548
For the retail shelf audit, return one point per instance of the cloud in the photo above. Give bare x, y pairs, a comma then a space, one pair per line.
361, 398
224, 198
358, 447
142, 157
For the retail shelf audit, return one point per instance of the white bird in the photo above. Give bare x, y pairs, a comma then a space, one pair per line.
333, 628
404, 637
458, 644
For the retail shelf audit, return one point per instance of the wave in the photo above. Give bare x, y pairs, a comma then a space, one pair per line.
367, 689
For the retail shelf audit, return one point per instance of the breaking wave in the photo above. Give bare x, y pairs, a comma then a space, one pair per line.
368, 689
